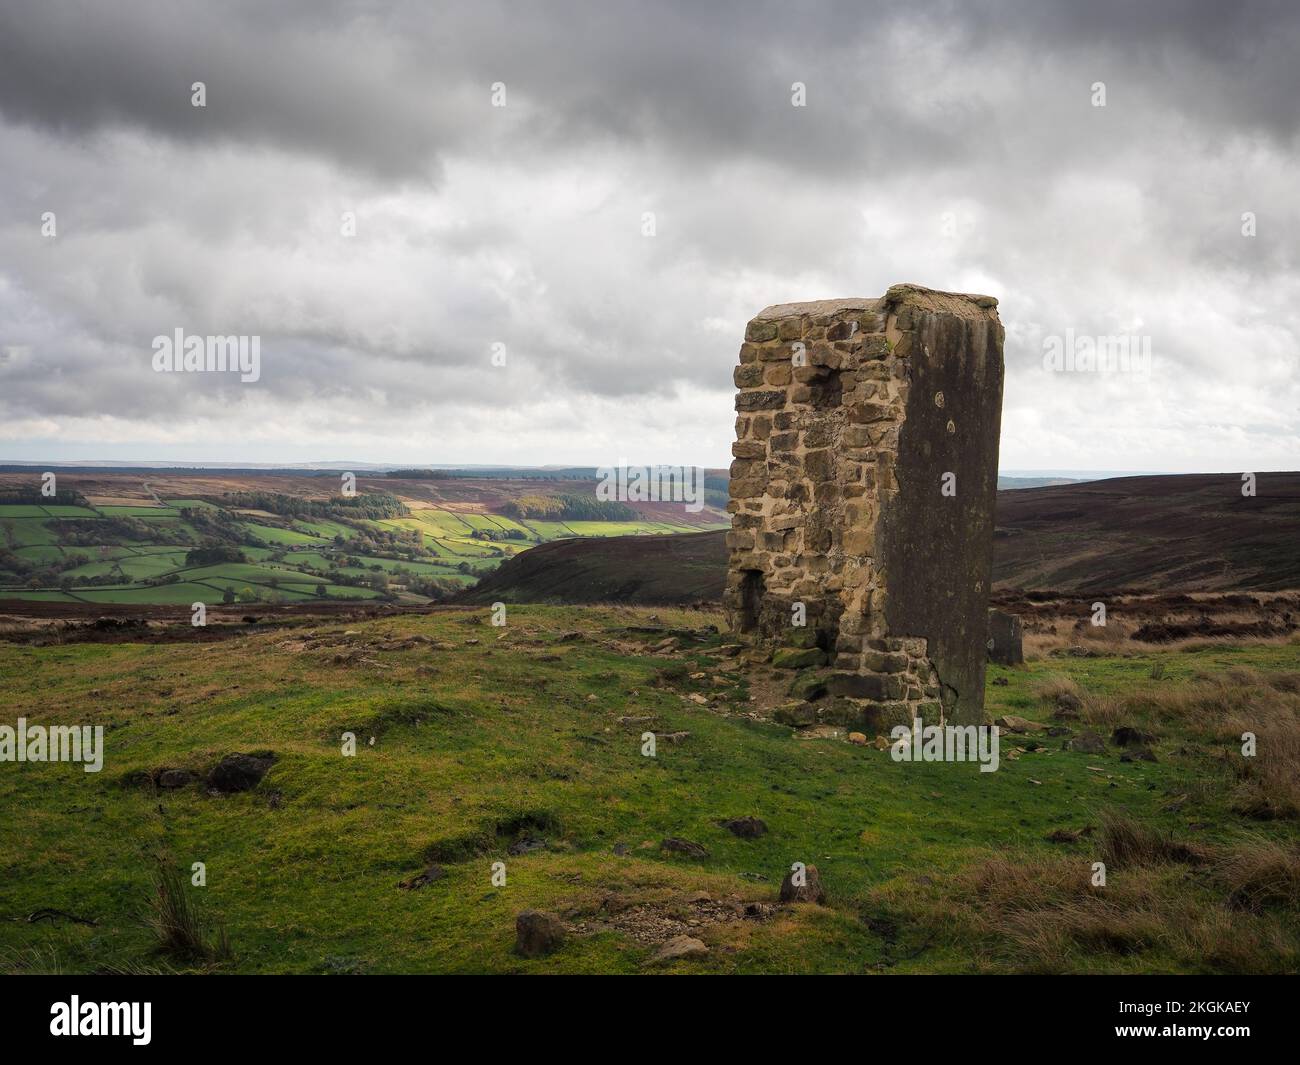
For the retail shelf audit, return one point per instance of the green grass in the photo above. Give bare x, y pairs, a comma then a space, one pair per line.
326, 529
488, 730
43, 553
274, 535
95, 569
27, 531
180, 593
152, 565
139, 512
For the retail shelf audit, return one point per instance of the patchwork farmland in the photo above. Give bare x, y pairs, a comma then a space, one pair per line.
173, 538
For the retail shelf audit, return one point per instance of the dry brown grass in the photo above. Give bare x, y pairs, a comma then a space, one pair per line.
1219, 711
1105, 711
1268, 785
1125, 844
1166, 904
1100, 710
1054, 638
1259, 874
1054, 685
1062, 637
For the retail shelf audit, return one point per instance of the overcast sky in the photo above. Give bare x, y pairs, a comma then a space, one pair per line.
955, 145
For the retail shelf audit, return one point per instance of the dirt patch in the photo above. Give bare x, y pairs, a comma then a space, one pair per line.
652, 924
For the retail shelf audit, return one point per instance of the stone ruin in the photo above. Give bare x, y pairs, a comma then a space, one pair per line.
862, 497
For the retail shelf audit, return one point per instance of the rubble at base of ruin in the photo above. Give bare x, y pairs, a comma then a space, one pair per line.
862, 495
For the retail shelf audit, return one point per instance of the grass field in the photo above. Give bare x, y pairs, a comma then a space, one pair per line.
124, 553
486, 738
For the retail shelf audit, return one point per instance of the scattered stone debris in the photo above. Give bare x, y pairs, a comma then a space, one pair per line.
538, 933
683, 846
808, 687
171, 779
745, 827
433, 873
239, 772
796, 715
1131, 736
1086, 743
672, 737
798, 657
655, 923
820, 732
810, 891
527, 845
1017, 724
677, 949
1138, 754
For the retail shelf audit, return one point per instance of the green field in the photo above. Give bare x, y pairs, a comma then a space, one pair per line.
136, 554
486, 737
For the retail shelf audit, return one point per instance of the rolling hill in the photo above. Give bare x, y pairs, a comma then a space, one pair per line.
1194, 532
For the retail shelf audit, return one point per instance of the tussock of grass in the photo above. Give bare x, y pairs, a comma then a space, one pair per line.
174, 918
1259, 874
1053, 686
1104, 711
1234, 911
1126, 843
1268, 785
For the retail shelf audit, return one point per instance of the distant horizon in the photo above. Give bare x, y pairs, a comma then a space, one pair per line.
381, 467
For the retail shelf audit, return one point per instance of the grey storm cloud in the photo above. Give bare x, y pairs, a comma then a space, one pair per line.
385, 87
953, 144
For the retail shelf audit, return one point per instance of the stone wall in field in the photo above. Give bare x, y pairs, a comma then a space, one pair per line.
862, 495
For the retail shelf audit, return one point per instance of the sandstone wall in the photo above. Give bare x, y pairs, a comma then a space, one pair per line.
863, 491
